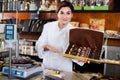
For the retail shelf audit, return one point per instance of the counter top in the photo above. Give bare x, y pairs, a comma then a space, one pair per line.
68, 76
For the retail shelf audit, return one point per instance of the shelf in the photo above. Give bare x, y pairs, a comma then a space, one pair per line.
113, 38
29, 33
53, 11
83, 10
113, 42
11, 11
29, 36
98, 11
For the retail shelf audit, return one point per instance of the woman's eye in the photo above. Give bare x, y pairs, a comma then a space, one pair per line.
61, 13
68, 13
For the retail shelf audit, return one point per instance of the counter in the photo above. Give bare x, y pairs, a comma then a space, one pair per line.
68, 76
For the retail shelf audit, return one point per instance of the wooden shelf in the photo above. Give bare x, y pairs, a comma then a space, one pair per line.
29, 36
113, 42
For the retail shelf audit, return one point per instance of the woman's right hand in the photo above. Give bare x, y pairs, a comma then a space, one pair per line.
51, 48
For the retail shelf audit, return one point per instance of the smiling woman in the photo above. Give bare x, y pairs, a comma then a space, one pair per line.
64, 16
54, 40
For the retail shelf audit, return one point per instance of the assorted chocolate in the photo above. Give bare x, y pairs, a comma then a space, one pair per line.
21, 60
83, 51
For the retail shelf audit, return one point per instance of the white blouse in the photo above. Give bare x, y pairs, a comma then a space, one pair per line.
59, 38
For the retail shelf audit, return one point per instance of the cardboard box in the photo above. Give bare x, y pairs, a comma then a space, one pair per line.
97, 24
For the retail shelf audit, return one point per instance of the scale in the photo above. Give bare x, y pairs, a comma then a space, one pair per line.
23, 70
17, 70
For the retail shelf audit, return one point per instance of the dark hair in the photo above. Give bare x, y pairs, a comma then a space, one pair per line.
65, 4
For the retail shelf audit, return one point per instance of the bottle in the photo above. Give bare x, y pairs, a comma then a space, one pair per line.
98, 3
14, 5
9, 5
22, 6
32, 6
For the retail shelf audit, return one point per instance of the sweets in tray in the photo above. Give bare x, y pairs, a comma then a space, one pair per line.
83, 51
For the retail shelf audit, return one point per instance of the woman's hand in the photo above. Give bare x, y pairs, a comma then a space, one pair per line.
86, 60
51, 48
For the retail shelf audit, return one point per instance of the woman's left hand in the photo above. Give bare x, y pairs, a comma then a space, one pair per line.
86, 60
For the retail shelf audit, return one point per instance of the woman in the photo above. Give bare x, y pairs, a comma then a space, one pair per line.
54, 40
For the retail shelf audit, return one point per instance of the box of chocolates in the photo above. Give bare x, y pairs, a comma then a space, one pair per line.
84, 43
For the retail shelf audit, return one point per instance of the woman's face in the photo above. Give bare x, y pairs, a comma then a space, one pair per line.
64, 15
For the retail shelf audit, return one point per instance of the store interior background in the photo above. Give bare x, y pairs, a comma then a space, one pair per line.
30, 34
